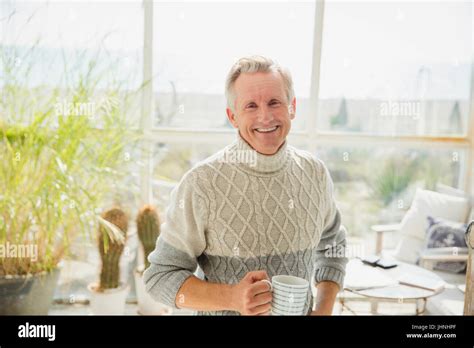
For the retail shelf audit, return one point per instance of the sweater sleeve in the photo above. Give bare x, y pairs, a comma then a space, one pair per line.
331, 257
180, 243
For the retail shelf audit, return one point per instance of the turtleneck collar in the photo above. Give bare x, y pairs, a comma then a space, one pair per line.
258, 163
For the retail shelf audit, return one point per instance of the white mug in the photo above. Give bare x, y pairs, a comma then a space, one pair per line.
289, 294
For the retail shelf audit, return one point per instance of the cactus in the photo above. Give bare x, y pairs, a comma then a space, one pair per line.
148, 228
111, 246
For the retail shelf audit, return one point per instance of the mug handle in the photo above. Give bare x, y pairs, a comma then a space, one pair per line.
269, 283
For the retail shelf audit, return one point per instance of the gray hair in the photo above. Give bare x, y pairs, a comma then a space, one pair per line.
254, 64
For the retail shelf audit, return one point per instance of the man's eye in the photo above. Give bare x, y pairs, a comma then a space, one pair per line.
251, 106
274, 103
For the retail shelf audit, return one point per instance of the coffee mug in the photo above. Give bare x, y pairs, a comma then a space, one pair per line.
289, 294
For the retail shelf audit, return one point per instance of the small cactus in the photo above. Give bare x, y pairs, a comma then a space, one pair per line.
148, 228
111, 246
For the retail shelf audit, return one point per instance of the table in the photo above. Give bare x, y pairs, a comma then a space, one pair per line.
377, 284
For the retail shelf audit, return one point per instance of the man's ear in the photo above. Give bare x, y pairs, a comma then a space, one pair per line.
292, 108
232, 118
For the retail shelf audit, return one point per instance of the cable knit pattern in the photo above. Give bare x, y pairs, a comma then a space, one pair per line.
240, 211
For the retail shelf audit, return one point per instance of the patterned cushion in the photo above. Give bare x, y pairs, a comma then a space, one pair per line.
448, 235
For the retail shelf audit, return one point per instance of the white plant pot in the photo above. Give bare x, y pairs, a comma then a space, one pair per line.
146, 304
108, 302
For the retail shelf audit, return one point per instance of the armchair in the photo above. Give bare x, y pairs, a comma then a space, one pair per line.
427, 259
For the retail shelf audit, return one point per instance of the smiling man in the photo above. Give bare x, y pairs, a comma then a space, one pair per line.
244, 221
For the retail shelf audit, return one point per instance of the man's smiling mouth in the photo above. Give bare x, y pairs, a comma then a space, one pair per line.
266, 130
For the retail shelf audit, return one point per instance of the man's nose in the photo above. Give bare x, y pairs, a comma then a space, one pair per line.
265, 115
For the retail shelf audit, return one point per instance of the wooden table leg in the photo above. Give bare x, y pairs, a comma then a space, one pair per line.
420, 306
341, 303
374, 306
378, 243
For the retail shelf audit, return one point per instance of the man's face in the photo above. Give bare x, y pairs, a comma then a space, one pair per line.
262, 111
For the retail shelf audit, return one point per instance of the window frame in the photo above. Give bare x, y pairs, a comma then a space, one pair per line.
311, 137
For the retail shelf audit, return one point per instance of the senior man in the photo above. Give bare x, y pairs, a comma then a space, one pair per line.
255, 209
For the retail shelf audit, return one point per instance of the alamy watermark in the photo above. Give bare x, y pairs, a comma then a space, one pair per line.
88, 109
239, 157
23, 251
66, 108
339, 250
28, 330
401, 108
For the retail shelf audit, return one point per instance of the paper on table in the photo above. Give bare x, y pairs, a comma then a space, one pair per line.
360, 276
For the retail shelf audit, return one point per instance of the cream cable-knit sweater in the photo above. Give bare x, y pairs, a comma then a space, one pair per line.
240, 211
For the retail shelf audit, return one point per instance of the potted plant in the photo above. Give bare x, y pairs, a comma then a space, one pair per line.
58, 164
148, 229
109, 295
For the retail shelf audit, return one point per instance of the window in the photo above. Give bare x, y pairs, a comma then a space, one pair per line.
396, 68
383, 90
196, 43
376, 184
389, 100
89, 55
109, 34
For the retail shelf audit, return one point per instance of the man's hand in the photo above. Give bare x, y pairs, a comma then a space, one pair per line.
251, 296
